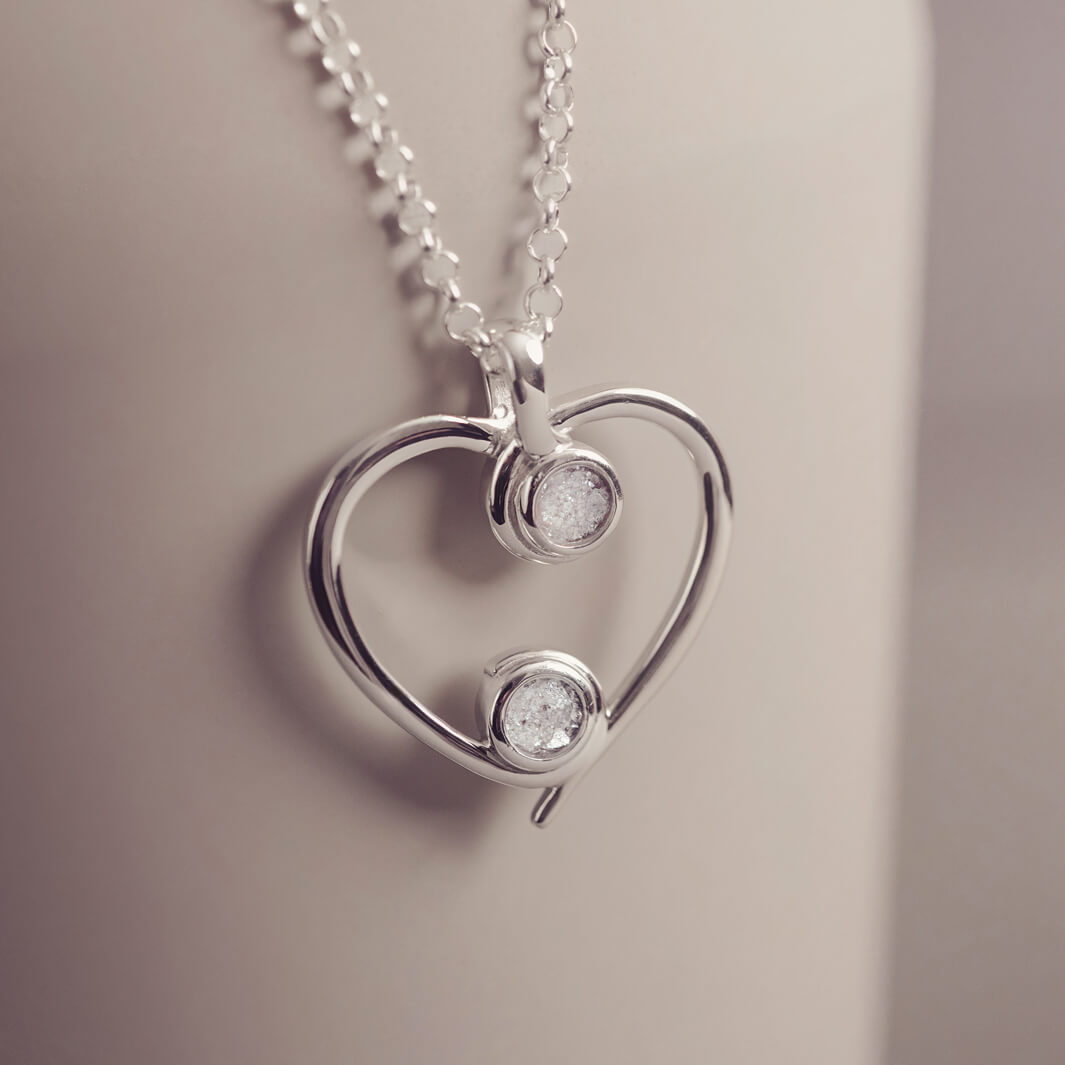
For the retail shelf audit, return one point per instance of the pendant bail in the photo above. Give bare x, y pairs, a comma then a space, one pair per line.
514, 379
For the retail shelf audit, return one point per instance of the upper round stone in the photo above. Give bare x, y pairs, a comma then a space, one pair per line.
573, 504
543, 716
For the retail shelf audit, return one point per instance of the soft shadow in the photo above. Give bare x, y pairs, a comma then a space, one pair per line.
462, 542
326, 708
315, 696
517, 270
312, 691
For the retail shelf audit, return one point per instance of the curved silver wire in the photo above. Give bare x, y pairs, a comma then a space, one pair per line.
370, 461
706, 564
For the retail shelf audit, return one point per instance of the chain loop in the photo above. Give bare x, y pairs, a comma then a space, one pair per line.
464, 322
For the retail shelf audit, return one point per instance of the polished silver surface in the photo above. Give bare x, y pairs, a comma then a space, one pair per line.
508, 673
518, 377
548, 498
497, 438
513, 484
325, 36
531, 448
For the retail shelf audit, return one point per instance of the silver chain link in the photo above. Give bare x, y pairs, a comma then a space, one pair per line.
392, 161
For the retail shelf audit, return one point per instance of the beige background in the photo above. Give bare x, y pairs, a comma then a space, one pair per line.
215, 853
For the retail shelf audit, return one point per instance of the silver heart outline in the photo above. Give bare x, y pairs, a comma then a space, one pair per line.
369, 461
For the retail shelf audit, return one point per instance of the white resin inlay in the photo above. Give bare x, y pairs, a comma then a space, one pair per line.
573, 504
543, 716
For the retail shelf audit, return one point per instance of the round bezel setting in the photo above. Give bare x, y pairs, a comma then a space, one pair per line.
540, 708
572, 504
556, 507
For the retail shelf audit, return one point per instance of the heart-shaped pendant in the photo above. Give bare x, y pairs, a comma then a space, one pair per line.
544, 718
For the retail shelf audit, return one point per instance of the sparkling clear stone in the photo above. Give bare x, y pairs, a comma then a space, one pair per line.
543, 716
573, 504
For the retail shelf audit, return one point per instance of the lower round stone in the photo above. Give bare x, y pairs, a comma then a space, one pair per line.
543, 716
573, 504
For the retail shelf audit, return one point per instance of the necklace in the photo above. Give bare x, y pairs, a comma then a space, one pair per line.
544, 717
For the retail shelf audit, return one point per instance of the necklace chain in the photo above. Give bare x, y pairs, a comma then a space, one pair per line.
392, 162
